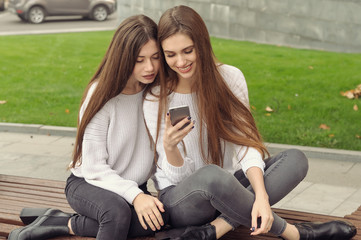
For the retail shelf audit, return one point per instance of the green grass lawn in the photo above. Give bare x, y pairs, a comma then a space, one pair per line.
43, 77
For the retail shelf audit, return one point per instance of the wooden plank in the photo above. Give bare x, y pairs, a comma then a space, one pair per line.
33, 202
32, 187
33, 197
30, 192
32, 181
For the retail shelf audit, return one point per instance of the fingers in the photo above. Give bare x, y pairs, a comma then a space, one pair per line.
254, 223
159, 204
266, 224
184, 123
140, 217
167, 121
148, 213
150, 219
175, 134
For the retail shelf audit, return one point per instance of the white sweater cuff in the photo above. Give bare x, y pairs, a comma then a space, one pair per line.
131, 194
253, 159
177, 174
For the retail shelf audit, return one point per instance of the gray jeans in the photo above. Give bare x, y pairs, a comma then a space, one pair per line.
212, 192
102, 213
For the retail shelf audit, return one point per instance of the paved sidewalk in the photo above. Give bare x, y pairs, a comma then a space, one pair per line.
332, 186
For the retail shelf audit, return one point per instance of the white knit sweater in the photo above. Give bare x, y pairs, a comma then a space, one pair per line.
167, 174
116, 154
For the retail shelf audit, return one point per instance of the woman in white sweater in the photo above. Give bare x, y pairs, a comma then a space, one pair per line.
113, 158
213, 174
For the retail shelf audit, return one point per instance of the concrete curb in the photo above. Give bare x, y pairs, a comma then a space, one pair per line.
38, 129
53, 31
316, 152
310, 152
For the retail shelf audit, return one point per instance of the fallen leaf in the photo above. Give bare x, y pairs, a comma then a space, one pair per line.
3, 101
310, 67
353, 93
67, 111
355, 107
324, 126
268, 114
289, 107
358, 136
331, 135
253, 107
269, 109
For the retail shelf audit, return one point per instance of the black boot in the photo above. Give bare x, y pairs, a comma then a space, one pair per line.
205, 232
28, 215
334, 230
52, 224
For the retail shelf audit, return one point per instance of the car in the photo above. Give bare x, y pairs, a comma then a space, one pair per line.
35, 11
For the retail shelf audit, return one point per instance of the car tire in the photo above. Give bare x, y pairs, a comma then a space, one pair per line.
36, 15
100, 13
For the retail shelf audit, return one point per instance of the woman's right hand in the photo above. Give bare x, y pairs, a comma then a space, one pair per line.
148, 208
174, 134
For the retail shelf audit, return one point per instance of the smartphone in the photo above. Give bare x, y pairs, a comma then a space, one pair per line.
177, 114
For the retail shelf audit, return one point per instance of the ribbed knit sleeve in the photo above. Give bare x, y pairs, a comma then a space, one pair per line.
243, 158
236, 82
116, 153
166, 174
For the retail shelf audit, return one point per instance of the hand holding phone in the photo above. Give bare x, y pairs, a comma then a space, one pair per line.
177, 114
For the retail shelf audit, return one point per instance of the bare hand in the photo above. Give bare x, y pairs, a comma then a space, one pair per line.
147, 208
262, 209
173, 135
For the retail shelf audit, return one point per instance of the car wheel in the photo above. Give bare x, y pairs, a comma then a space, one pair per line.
100, 13
36, 15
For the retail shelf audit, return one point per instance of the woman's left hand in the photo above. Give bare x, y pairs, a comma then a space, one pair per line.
261, 209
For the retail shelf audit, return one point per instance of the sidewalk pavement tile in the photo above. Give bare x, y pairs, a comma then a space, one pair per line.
328, 198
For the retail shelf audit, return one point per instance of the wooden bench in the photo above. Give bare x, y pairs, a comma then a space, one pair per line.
18, 192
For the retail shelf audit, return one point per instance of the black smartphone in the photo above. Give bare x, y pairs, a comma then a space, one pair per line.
177, 114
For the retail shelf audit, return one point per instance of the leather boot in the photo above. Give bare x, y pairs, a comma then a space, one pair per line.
205, 232
333, 230
52, 224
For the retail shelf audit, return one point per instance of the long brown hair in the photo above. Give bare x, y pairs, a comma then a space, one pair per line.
224, 115
114, 70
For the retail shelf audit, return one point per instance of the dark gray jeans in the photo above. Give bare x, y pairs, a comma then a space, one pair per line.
212, 192
102, 213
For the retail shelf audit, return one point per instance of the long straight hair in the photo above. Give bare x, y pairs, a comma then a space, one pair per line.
114, 70
224, 115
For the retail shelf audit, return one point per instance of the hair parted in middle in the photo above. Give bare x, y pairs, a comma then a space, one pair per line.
115, 70
225, 116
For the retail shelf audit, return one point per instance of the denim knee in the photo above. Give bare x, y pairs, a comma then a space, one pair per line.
213, 178
115, 210
300, 161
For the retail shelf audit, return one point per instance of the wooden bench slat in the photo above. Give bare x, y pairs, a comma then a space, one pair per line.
10, 219
5, 229
32, 187
33, 197
31, 192
32, 204
32, 181
59, 202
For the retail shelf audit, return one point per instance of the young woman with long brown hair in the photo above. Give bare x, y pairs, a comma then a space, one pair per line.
211, 174
113, 158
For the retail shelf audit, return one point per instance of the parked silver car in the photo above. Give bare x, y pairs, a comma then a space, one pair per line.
35, 11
